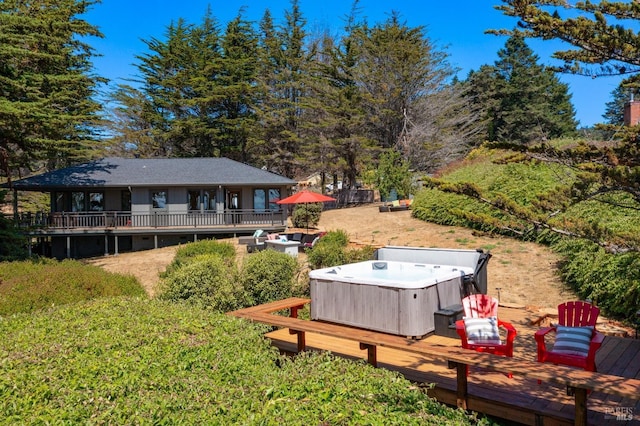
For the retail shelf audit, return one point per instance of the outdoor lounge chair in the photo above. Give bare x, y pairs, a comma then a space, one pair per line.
576, 340
479, 328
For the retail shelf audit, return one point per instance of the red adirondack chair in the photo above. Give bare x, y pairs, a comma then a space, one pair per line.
483, 306
575, 345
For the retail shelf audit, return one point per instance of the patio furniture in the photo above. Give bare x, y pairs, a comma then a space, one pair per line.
284, 246
310, 240
577, 339
479, 329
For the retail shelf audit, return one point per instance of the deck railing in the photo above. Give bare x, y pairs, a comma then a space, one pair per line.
120, 219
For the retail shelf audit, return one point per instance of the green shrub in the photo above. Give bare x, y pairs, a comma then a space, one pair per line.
331, 250
188, 252
325, 255
26, 286
611, 281
360, 255
306, 214
13, 244
207, 280
140, 361
269, 275
338, 237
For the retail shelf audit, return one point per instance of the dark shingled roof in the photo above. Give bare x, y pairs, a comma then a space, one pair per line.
148, 172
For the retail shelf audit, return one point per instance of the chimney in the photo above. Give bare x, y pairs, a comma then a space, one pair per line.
632, 112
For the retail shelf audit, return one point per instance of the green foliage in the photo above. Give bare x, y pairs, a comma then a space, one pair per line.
28, 286
332, 250
611, 281
512, 198
186, 253
12, 242
47, 84
393, 173
135, 361
524, 101
306, 214
206, 280
603, 36
268, 276
337, 237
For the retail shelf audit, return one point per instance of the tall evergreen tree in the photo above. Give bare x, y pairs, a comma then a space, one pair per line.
336, 109
174, 108
48, 110
237, 122
283, 73
614, 109
527, 101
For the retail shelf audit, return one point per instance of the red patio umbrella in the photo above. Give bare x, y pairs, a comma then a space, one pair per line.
306, 197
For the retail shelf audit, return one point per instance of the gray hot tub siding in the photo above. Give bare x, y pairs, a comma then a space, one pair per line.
401, 311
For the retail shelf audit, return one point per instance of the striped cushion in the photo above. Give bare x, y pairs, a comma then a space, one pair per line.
573, 340
482, 331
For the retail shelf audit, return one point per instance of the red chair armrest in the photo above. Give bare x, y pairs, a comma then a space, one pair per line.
511, 330
461, 332
597, 339
540, 334
594, 345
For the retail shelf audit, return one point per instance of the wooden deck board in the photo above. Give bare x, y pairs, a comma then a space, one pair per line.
518, 399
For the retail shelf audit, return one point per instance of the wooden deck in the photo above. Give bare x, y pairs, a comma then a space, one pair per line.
520, 399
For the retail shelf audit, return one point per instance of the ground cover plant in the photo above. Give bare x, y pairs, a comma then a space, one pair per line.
131, 360
609, 279
332, 249
27, 286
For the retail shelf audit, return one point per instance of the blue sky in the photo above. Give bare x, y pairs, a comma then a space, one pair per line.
457, 28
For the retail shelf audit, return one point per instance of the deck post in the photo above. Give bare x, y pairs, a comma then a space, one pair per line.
115, 244
581, 407
372, 353
294, 311
461, 383
302, 345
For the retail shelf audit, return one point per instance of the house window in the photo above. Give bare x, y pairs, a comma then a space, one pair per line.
77, 202
262, 202
125, 200
96, 201
274, 197
193, 199
209, 199
61, 201
159, 199
198, 200
259, 200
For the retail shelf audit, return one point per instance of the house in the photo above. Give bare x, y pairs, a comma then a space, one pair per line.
119, 204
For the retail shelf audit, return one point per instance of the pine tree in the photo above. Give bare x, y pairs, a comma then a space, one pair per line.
614, 109
172, 110
48, 110
237, 121
527, 102
283, 73
337, 122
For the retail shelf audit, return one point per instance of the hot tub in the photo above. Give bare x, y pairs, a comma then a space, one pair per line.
383, 295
